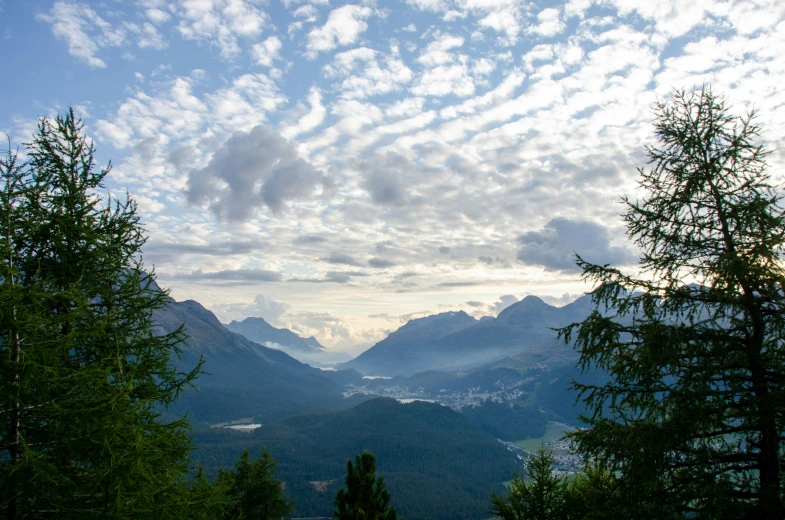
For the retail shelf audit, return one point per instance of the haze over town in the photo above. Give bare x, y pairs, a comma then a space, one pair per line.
339, 168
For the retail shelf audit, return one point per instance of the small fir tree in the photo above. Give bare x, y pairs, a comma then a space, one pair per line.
365, 496
539, 496
253, 490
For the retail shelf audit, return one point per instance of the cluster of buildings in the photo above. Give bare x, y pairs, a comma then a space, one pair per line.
453, 398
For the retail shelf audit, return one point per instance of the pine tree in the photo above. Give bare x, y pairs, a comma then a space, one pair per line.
540, 497
693, 416
83, 379
253, 490
365, 497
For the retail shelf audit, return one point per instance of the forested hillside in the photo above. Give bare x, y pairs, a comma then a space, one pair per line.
436, 464
242, 378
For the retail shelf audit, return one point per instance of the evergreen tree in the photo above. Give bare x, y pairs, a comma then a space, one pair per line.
82, 376
591, 495
541, 496
365, 497
692, 419
253, 490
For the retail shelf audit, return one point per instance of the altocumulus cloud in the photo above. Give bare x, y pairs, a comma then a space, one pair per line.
232, 276
251, 169
383, 178
554, 247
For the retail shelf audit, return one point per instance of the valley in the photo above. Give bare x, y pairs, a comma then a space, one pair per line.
444, 437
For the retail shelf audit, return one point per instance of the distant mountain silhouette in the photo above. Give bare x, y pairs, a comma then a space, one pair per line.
242, 378
261, 332
400, 352
456, 341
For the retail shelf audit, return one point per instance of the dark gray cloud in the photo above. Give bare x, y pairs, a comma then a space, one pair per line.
251, 169
383, 178
496, 262
554, 246
180, 156
444, 250
346, 273
231, 275
475, 304
222, 248
334, 278
309, 239
340, 258
147, 149
380, 263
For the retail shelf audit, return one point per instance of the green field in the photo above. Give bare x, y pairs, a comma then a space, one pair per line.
553, 432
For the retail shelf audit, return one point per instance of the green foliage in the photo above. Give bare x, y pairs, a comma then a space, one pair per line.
82, 376
591, 495
436, 465
365, 497
692, 417
253, 490
506, 421
545, 495
540, 497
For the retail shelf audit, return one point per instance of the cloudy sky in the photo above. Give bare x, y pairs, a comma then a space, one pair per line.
339, 168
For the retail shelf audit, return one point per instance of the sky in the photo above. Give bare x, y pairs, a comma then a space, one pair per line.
340, 168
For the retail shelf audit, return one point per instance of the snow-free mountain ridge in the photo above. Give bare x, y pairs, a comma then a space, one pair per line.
456, 341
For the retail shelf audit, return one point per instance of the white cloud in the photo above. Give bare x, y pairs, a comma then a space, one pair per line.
308, 12
310, 120
364, 72
444, 80
405, 107
291, 3
264, 53
157, 16
83, 30
147, 35
506, 21
431, 143
429, 5
343, 27
269, 309
549, 23
220, 22
437, 52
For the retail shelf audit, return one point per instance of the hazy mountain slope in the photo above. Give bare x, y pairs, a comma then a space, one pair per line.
261, 332
522, 328
525, 328
400, 351
435, 463
242, 378
307, 350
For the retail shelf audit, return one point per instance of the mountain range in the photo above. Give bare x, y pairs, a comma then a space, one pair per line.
453, 341
242, 378
307, 350
507, 375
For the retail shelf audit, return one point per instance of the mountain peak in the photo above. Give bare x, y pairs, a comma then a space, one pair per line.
260, 331
449, 318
